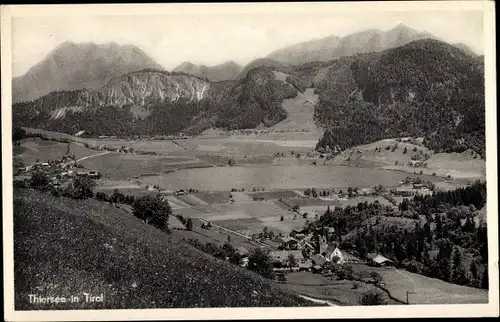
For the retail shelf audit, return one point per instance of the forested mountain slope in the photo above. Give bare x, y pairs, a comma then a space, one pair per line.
425, 88
158, 102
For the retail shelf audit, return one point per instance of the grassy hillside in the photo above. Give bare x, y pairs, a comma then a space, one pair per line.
66, 247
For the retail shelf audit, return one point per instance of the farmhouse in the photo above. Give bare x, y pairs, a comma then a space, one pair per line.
379, 260
300, 236
336, 253
179, 192
82, 173
305, 264
94, 174
404, 191
304, 244
318, 259
414, 163
289, 243
281, 256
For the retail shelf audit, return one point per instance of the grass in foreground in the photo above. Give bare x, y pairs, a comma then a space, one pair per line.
65, 247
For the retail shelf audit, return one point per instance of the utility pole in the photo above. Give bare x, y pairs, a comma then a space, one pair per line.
409, 292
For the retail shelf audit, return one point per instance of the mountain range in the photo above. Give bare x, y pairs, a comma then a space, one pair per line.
333, 47
423, 87
224, 71
73, 66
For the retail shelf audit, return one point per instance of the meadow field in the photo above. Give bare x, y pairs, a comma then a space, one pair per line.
116, 165
342, 292
33, 149
427, 290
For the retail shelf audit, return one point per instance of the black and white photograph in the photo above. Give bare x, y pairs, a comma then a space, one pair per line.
263, 160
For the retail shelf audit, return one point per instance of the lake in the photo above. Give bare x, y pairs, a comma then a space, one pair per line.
276, 177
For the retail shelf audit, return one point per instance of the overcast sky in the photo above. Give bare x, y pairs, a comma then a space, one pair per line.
214, 38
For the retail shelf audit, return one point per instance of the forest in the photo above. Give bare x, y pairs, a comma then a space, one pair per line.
423, 89
448, 241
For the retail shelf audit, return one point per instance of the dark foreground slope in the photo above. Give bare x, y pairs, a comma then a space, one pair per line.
65, 247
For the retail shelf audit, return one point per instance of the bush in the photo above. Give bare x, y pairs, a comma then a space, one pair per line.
83, 188
18, 134
55, 192
376, 277
118, 197
39, 180
372, 298
102, 196
189, 224
152, 210
21, 184
259, 262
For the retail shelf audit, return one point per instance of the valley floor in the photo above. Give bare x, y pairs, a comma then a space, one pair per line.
259, 204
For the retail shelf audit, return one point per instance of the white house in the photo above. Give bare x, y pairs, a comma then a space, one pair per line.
336, 253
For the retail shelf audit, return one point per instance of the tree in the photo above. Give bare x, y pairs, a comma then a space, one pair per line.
189, 224
39, 180
405, 150
152, 210
372, 298
376, 277
473, 271
458, 275
101, 196
83, 188
349, 192
484, 280
282, 218
231, 162
295, 207
18, 134
117, 196
235, 259
259, 261
405, 204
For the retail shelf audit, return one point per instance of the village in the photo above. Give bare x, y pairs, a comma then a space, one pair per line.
59, 171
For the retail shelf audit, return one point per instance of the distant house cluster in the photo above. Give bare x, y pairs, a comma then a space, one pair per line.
309, 251
57, 171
